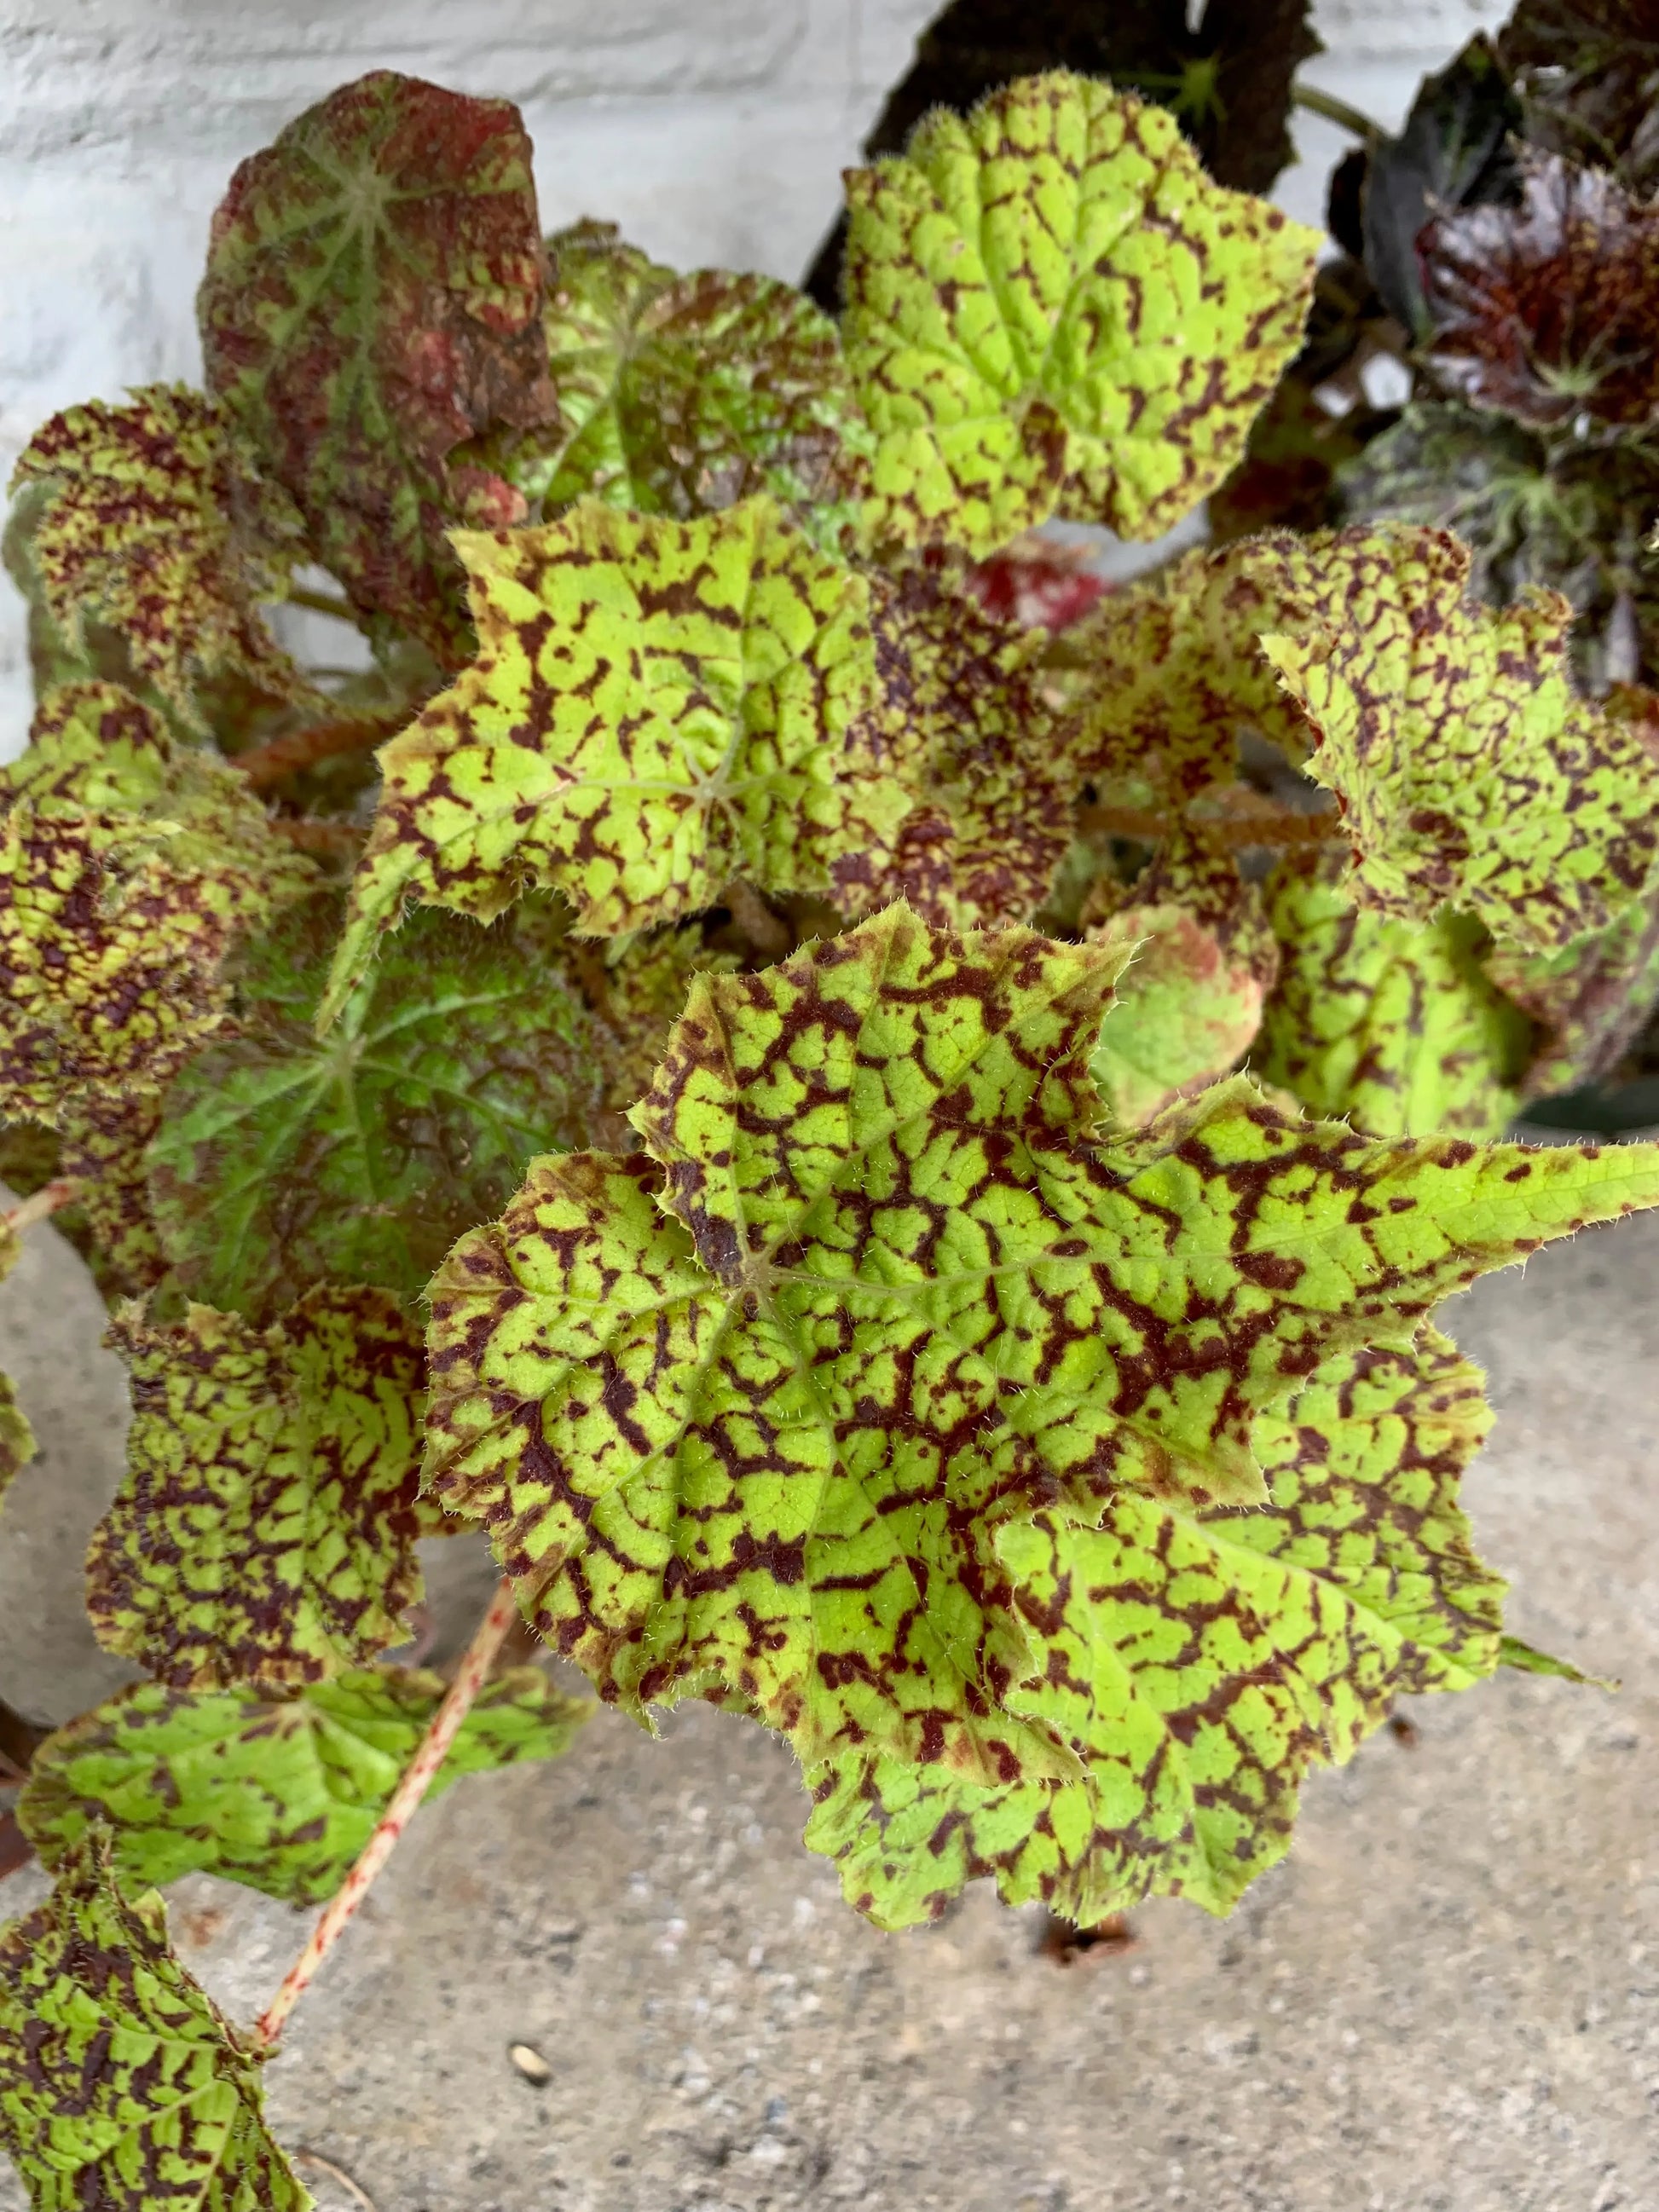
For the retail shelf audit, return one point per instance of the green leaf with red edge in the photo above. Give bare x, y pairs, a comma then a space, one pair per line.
656, 707
754, 1438
138, 525
1201, 1664
1549, 311
374, 299
121, 2083
682, 395
278, 1790
265, 1529
1469, 770
1051, 309
128, 866
1393, 1024
1189, 1003
282, 1161
965, 724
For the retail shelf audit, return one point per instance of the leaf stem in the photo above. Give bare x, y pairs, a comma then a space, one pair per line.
417, 1779
321, 603
264, 765
42, 1205
1336, 111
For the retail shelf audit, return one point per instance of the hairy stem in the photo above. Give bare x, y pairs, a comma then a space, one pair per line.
42, 1206
764, 929
321, 603
417, 1779
264, 765
1335, 110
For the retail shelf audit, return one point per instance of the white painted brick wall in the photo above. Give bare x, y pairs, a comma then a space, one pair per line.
713, 130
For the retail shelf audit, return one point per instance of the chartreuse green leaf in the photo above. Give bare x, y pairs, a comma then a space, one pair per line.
681, 395
278, 1791
373, 300
121, 2083
1050, 308
638, 987
265, 1530
98, 1144
967, 727
138, 527
759, 1444
283, 1162
1171, 671
1587, 1001
656, 707
127, 867
1189, 1003
105, 1141
16, 1437
1200, 1664
1469, 770
1391, 1025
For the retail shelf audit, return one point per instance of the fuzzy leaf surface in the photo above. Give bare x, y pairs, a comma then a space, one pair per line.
1469, 770
138, 525
1227, 81
1550, 311
1480, 476
682, 395
265, 1529
1050, 308
373, 298
1189, 1003
1589, 1001
128, 865
964, 726
121, 2083
1202, 1664
1173, 670
656, 707
1394, 1025
758, 1444
281, 1793
283, 1161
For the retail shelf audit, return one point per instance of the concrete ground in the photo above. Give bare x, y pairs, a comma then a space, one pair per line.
1447, 2001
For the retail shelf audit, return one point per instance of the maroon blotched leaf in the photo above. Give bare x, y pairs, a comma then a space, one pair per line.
1589, 71
1550, 311
141, 523
373, 298
1452, 152
963, 723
